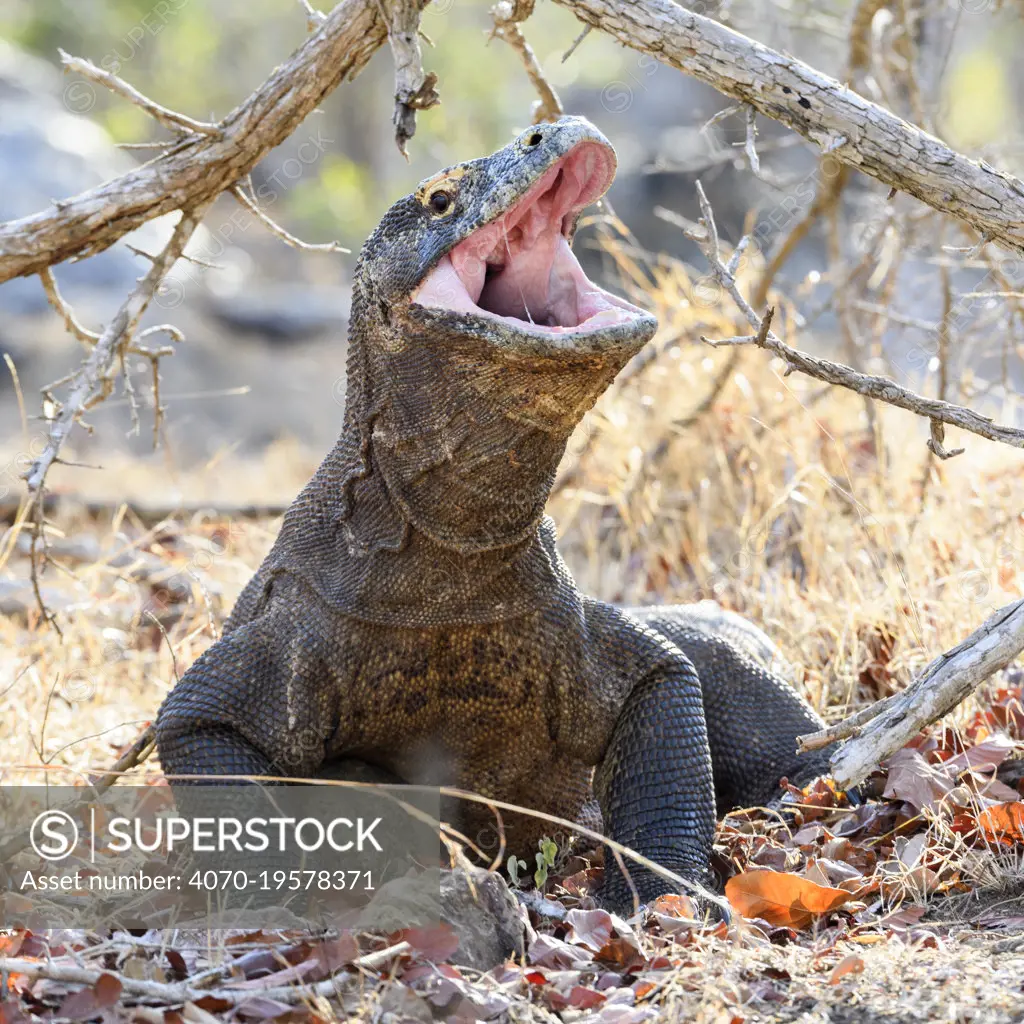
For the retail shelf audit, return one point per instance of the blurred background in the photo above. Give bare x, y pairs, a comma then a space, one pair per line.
265, 329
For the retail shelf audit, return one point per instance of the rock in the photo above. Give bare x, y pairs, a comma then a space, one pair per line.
484, 914
477, 904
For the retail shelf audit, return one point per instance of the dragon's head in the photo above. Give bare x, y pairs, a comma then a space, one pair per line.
477, 340
482, 249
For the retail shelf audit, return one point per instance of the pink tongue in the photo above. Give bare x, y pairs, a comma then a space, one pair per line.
510, 268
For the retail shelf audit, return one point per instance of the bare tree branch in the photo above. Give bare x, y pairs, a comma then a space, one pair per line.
414, 88
884, 389
507, 15
66, 313
287, 237
950, 678
168, 118
91, 380
851, 128
198, 168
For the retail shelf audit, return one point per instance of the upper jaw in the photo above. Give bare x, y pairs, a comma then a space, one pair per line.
516, 279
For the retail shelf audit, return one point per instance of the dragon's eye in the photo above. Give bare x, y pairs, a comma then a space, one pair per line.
440, 202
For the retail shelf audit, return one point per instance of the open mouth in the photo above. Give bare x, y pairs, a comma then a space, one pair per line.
519, 269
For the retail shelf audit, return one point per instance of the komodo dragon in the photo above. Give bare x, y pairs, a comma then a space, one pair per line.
414, 613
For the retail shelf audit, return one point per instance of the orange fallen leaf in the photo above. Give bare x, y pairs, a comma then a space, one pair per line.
1003, 822
848, 965
782, 898
673, 905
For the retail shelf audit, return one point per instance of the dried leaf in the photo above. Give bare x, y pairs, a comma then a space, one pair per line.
262, 1008
851, 964
590, 928
1003, 822
87, 1003
674, 905
107, 989
585, 998
916, 782
438, 943
622, 952
990, 754
547, 951
782, 898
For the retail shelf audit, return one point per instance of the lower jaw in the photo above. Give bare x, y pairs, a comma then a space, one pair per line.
616, 341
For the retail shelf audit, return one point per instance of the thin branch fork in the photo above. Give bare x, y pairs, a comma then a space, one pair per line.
881, 388
88, 380
879, 731
200, 166
507, 15
168, 118
289, 239
852, 129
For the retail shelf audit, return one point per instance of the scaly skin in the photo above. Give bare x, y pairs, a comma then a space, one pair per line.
415, 616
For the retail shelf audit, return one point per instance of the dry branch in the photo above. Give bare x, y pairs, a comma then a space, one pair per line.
168, 118
286, 236
852, 129
92, 378
884, 389
507, 14
197, 169
949, 679
173, 994
414, 88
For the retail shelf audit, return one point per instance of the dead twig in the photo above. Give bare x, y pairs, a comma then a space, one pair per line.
854, 130
92, 378
414, 88
172, 994
71, 324
168, 118
285, 236
199, 167
883, 389
947, 681
507, 15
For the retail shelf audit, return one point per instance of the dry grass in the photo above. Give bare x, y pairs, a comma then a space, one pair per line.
861, 556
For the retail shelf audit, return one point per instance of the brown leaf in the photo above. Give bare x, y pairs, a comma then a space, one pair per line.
1003, 822
674, 905
178, 965
262, 1008
337, 952
585, 998
590, 928
782, 898
80, 1005
547, 951
209, 1004
621, 952
88, 1003
437, 943
107, 989
914, 781
990, 753
848, 965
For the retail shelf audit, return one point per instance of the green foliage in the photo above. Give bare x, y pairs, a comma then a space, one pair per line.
514, 866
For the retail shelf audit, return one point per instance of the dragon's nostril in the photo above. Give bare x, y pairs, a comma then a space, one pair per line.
535, 139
